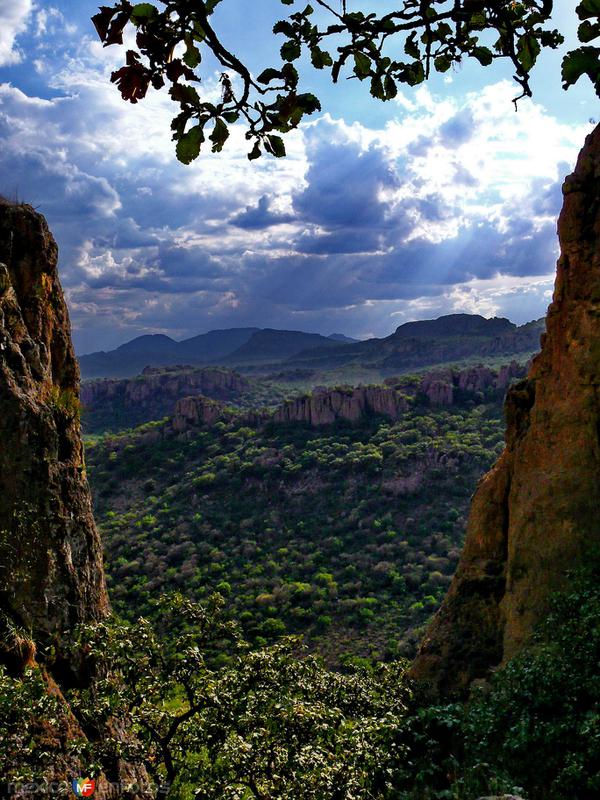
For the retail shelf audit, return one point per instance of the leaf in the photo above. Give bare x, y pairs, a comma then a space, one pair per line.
309, 103
255, 152
142, 12
411, 48
290, 50
188, 145
588, 8
588, 31
484, 55
192, 56
442, 63
583, 61
185, 94
391, 90
275, 146
219, 135
268, 75
362, 65
377, 88
285, 27
320, 58
102, 20
528, 49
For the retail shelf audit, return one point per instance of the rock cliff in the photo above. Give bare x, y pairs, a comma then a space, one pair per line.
128, 402
50, 554
51, 570
446, 386
325, 407
191, 412
536, 515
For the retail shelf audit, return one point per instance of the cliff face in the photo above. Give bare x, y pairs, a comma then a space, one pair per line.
51, 571
323, 408
51, 574
537, 513
130, 402
444, 387
191, 412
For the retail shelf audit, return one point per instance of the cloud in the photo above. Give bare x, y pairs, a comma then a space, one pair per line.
260, 216
454, 202
14, 17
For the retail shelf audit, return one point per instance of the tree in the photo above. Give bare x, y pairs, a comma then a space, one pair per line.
435, 34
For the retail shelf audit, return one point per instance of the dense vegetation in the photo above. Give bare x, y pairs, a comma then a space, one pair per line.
266, 725
349, 533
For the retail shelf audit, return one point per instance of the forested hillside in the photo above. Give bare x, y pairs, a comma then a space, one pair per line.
348, 533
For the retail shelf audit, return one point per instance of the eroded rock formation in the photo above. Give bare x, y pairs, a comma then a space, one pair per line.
191, 412
325, 407
51, 558
51, 571
132, 401
444, 387
536, 515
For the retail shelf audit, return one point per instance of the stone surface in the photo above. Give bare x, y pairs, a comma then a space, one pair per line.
536, 514
50, 554
326, 406
51, 571
191, 412
153, 393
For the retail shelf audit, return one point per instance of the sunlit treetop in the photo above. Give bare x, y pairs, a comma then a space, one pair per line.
173, 36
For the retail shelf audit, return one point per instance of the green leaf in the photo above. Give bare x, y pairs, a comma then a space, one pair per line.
268, 75
185, 94
583, 61
192, 56
142, 12
483, 54
231, 117
588, 8
362, 65
255, 152
377, 88
442, 63
188, 145
588, 31
309, 103
285, 27
528, 49
411, 48
275, 146
320, 58
219, 135
290, 51
391, 90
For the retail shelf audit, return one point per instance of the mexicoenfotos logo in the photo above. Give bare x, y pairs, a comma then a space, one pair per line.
83, 787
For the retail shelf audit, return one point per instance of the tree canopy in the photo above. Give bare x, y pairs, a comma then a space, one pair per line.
172, 37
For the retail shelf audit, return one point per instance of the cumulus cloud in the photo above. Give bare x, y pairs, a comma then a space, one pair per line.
14, 16
449, 207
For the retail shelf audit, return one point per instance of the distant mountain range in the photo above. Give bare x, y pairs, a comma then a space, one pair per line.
414, 344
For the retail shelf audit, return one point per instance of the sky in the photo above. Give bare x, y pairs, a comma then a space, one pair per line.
444, 200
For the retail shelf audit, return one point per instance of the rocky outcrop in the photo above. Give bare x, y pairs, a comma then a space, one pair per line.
536, 515
439, 387
192, 412
116, 404
50, 554
449, 386
51, 571
327, 406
